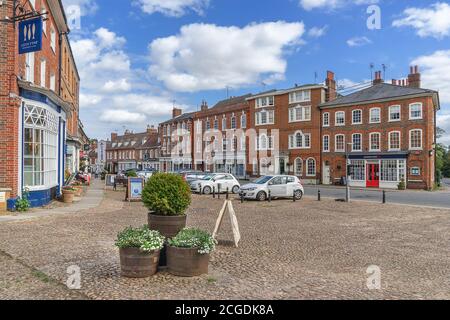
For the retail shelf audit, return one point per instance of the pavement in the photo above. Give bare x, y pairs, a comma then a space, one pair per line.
437, 199
301, 250
92, 198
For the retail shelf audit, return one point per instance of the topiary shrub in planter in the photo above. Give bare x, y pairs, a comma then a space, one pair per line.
167, 196
139, 251
402, 185
188, 253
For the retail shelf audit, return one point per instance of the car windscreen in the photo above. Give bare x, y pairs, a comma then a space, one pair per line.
207, 178
263, 180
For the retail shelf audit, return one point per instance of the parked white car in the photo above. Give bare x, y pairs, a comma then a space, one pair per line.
145, 174
218, 182
279, 187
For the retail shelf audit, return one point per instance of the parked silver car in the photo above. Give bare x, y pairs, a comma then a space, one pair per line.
218, 182
279, 186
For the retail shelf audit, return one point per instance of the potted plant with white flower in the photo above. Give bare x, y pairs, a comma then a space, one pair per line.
189, 251
139, 251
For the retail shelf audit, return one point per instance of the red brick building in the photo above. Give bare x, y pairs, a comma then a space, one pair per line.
388, 132
219, 136
33, 114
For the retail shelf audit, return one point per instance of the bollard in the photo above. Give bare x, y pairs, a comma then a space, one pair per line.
384, 196
270, 197
214, 192
242, 197
218, 191
318, 196
293, 197
228, 195
200, 191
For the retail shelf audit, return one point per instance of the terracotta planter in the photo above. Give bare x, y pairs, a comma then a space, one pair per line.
79, 191
186, 262
168, 226
68, 196
137, 264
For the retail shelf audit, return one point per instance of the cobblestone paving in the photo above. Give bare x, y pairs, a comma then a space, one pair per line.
306, 250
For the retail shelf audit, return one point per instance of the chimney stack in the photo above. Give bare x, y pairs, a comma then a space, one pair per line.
378, 78
204, 106
330, 82
414, 78
176, 113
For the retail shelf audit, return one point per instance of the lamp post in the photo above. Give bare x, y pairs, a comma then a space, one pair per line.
347, 176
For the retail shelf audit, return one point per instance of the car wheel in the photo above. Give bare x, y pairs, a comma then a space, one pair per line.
261, 196
298, 195
235, 189
207, 190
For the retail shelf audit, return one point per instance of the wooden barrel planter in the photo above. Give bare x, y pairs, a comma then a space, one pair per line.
68, 196
137, 264
169, 227
184, 262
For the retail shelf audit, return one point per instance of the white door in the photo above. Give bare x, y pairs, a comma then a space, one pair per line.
326, 175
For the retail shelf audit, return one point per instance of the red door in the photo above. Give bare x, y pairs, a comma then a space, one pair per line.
373, 176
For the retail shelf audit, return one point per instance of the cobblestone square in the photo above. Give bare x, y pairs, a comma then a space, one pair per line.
302, 250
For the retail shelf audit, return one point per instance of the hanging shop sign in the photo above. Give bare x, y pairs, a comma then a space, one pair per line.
30, 35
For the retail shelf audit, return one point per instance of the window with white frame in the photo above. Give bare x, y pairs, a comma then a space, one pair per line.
300, 113
389, 171
199, 126
300, 141
298, 167
53, 39
300, 96
357, 117
53, 82
265, 102
40, 147
340, 143
375, 115
326, 143
224, 144
415, 139
357, 142
235, 144
208, 125
243, 121
224, 123
233, 122
375, 141
264, 142
326, 119
358, 170
29, 67
415, 111
394, 141
415, 171
395, 113
44, 21
311, 167
216, 124
265, 117
340, 118
33, 3
43, 73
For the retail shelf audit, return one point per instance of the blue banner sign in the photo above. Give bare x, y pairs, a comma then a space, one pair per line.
30, 35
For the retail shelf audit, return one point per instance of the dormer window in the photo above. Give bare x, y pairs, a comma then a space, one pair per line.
265, 102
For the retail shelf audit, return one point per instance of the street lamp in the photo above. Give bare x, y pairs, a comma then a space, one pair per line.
347, 167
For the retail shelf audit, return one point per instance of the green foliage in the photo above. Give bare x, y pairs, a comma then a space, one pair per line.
23, 204
131, 174
402, 185
194, 238
167, 195
143, 238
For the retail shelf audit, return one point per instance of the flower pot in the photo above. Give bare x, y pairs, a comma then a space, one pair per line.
168, 226
184, 262
68, 196
135, 263
79, 191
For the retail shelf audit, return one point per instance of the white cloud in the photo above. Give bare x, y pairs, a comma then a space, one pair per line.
435, 69
209, 57
115, 86
317, 32
358, 41
89, 100
173, 8
86, 7
428, 22
332, 4
122, 116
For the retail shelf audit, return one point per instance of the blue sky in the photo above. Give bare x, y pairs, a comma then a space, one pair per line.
137, 57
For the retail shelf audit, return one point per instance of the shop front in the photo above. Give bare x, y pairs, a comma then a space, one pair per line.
42, 137
384, 171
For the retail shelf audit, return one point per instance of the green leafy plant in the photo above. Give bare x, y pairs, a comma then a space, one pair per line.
143, 238
131, 174
194, 238
69, 188
402, 185
23, 204
167, 195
